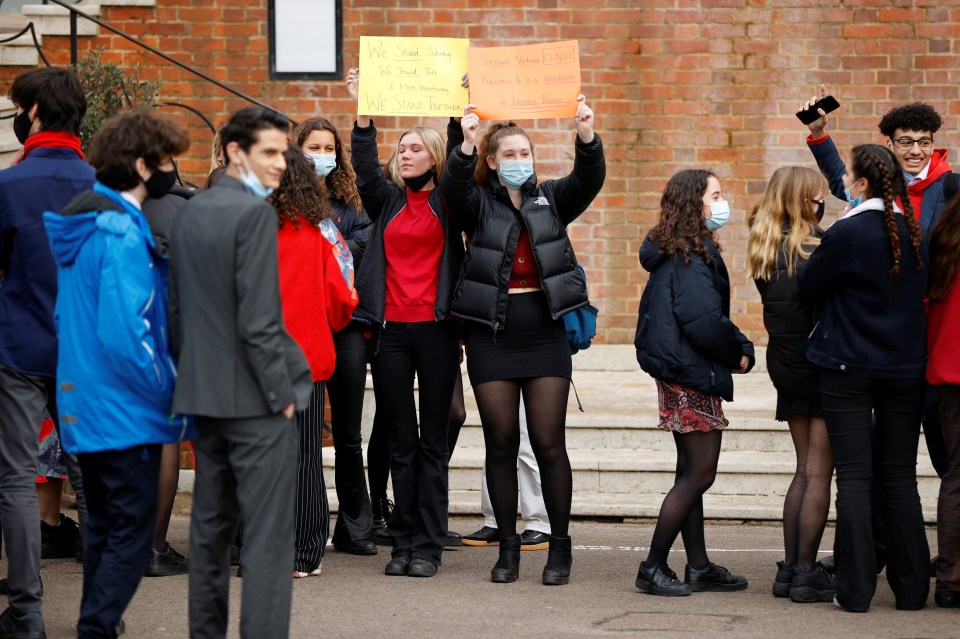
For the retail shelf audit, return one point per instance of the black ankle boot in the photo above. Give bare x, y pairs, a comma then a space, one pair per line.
382, 509
557, 570
507, 569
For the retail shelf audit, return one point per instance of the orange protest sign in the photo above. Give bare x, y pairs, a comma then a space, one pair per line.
525, 82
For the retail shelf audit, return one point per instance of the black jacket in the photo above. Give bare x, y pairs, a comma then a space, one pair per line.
493, 227
355, 227
684, 333
161, 213
788, 320
383, 200
871, 324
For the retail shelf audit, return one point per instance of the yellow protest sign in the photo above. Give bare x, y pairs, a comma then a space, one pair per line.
525, 82
412, 76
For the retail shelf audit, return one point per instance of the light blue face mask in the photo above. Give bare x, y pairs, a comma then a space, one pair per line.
515, 173
719, 215
853, 201
252, 183
324, 163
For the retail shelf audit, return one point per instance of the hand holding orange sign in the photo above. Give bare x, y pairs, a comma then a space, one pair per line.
525, 82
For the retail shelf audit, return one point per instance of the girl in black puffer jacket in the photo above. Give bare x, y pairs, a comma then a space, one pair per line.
686, 341
518, 277
784, 232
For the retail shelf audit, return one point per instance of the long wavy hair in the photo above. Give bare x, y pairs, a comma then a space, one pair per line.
301, 194
436, 147
682, 227
490, 144
342, 181
885, 180
945, 252
782, 220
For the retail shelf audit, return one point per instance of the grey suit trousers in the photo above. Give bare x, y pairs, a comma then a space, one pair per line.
245, 467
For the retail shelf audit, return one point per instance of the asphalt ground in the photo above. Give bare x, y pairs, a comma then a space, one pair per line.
352, 598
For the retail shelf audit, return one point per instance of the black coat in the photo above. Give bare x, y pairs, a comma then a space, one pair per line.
493, 226
684, 333
788, 320
383, 200
355, 227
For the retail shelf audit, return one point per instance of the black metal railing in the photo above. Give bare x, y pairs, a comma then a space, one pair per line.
36, 41
74, 56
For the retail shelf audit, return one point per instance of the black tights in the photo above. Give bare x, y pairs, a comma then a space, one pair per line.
682, 509
545, 402
807, 502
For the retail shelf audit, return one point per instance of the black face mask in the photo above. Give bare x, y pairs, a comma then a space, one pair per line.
417, 183
160, 183
21, 126
821, 206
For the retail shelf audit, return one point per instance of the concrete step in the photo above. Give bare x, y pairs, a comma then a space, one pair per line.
52, 19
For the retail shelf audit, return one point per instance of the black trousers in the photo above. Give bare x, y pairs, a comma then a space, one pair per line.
418, 453
121, 495
849, 404
346, 386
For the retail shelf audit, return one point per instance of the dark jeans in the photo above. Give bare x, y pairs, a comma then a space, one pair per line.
121, 495
849, 404
948, 505
418, 456
346, 387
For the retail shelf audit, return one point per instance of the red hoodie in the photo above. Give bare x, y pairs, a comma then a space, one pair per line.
943, 338
938, 166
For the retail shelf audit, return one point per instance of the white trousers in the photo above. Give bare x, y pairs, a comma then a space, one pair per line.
532, 510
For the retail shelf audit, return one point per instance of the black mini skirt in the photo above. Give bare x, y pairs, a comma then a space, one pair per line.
530, 344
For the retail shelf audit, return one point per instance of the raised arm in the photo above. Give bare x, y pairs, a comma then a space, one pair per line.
574, 193
824, 150
461, 196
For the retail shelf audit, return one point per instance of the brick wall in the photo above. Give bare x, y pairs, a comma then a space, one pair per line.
675, 84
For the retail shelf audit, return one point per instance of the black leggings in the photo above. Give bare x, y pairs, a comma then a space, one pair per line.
545, 403
682, 509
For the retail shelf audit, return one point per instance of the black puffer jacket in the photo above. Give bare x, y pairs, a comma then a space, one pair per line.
493, 227
684, 333
788, 320
355, 227
383, 200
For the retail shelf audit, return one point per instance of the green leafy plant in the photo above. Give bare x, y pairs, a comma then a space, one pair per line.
110, 91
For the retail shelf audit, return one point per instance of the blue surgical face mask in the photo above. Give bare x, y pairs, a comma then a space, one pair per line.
515, 173
853, 201
324, 163
719, 215
252, 183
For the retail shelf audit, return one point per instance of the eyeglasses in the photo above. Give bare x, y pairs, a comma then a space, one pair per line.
906, 143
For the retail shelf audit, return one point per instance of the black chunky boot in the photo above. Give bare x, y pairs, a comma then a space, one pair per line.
557, 570
382, 509
507, 569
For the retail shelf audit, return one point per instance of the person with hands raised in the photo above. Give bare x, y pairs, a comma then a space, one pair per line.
518, 278
405, 284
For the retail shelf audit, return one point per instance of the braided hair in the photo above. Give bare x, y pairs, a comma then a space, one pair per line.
885, 180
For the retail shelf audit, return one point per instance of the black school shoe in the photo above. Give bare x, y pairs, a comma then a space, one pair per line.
421, 568
781, 583
660, 580
398, 565
534, 540
453, 539
166, 563
363, 546
26, 626
812, 587
947, 599
713, 578
60, 541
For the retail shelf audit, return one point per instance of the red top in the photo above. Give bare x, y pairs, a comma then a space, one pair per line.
412, 245
943, 338
525, 273
314, 294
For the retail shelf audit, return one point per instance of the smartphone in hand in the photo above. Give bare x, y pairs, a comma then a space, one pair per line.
827, 103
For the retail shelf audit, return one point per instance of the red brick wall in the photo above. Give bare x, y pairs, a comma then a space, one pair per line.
674, 83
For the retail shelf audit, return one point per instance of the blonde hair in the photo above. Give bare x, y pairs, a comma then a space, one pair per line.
435, 146
782, 221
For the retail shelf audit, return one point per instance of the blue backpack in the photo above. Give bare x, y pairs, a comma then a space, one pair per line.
581, 324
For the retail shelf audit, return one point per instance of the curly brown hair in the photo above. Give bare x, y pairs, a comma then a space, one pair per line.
341, 182
143, 134
490, 144
945, 252
301, 194
885, 180
682, 227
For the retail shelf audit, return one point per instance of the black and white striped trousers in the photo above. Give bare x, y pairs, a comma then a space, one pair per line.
312, 511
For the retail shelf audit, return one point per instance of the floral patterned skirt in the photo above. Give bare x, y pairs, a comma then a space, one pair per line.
52, 464
685, 410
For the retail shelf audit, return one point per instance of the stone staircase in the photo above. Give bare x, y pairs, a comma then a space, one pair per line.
623, 464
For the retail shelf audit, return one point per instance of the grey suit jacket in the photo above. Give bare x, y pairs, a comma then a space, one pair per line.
235, 357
